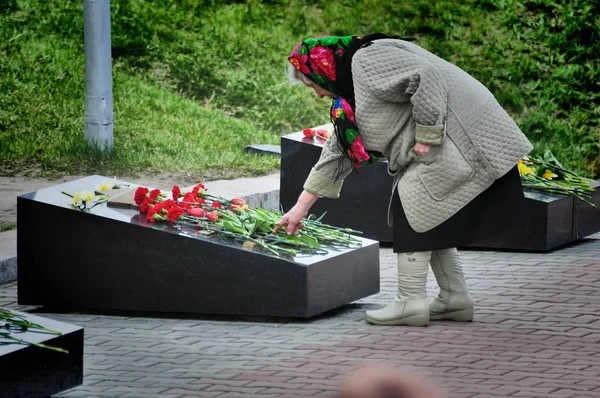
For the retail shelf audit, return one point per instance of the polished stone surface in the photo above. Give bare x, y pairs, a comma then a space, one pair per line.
364, 198
28, 371
111, 258
554, 221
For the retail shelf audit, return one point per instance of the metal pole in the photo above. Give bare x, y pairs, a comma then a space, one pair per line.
98, 130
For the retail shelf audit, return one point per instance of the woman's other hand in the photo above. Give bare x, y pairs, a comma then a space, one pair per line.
422, 149
292, 220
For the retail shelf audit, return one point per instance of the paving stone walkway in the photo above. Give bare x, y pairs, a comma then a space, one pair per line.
536, 334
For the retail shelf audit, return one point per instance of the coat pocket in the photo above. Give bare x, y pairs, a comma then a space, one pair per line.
447, 172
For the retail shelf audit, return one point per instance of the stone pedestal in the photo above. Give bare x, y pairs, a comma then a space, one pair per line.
365, 195
556, 220
111, 258
27, 371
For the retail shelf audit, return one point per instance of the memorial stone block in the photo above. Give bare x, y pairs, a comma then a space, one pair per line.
27, 371
113, 258
555, 220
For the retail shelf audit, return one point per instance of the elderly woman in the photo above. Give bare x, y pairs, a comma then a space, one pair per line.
450, 146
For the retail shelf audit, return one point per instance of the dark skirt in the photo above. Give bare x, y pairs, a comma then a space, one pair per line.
498, 209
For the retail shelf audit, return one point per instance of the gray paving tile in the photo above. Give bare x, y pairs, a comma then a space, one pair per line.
536, 333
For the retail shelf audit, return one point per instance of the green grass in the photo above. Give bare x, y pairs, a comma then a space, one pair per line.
195, 81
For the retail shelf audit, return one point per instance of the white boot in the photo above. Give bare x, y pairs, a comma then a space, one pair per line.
410, 307
453, 301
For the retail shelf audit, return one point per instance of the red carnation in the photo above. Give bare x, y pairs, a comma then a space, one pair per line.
308, 132
158, 207
212, 216
173, 213
151, 213
154, 194
176, 192
199, 190
217, 205
188, 201
140, 195
169, 203
145, 206
188, 197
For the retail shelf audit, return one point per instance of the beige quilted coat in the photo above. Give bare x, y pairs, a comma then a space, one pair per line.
405, 94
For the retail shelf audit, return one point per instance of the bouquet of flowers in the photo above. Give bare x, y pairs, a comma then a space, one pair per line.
235, 219
547, 174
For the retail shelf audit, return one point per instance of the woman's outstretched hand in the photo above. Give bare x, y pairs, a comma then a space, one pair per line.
292, 220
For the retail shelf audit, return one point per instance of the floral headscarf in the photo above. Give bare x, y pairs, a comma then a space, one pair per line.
319, 59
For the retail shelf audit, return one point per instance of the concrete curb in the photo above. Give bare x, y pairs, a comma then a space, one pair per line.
8, 270
8, 256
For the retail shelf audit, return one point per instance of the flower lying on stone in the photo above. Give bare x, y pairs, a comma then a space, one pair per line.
308, 132
197, 210
319, 134
235, 219
12, 321
107, 185
547, 174
322, 133
85, 200
238, 201
524, 169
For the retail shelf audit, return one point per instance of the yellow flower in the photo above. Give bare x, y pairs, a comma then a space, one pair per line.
76, 199
106, 185
87, 196
524, 169
549, 175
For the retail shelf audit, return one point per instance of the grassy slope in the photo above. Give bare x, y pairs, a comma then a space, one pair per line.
195, 81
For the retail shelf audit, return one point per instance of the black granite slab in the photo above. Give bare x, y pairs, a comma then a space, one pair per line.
114, 259
364, 198
556, 220
27, 371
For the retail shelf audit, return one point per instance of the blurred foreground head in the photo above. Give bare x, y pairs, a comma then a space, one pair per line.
381, 382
